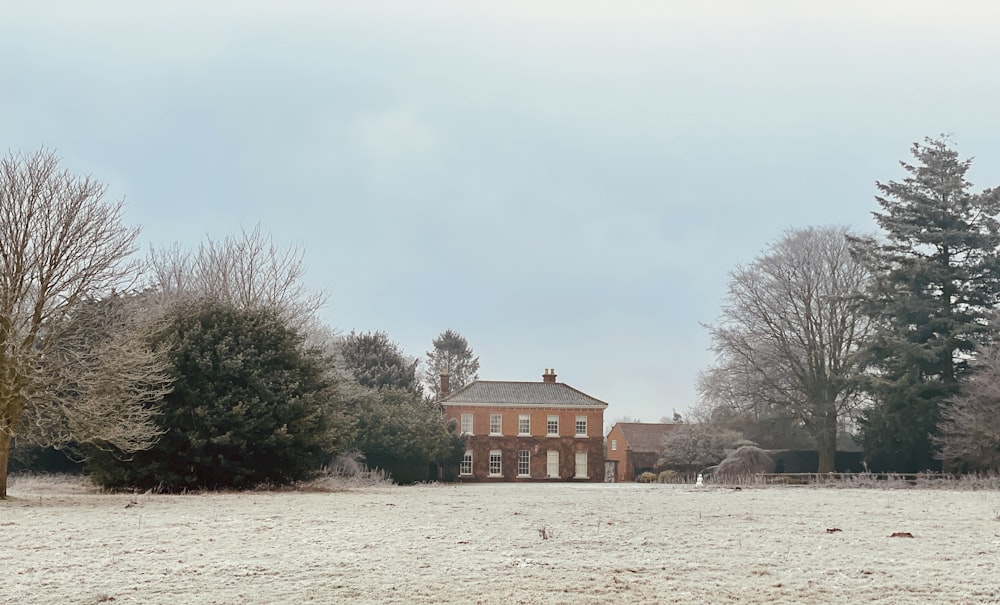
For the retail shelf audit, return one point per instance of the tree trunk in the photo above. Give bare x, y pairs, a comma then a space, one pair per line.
826, 444
5, 441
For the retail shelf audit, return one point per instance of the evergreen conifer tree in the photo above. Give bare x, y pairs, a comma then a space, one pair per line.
250, 406
375, 361
937, 278
453, 355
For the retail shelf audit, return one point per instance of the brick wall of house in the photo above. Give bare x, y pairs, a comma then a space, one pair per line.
536, 442
538, 417
538, 447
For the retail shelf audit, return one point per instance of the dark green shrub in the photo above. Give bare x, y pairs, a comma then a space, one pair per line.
403, 434
250, 406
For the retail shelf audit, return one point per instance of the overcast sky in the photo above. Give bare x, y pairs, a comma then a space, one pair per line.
567, 184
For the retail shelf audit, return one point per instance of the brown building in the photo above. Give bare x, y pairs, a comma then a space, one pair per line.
528, 431
634, 447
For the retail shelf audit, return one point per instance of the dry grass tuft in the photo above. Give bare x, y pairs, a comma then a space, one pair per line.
45, 483
329, 483
347, 471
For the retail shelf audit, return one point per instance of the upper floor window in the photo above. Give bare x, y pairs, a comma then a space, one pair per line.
496, 424
524, 424
552, 425
581, 426
614, 445
466, 424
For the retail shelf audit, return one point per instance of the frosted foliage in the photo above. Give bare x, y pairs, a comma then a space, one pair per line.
247, 271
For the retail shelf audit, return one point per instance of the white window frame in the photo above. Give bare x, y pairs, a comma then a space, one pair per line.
496, 422
549, 421
614, 445
465, 469
524, 463
581, 420
466, 424
552, 464
496, 463
581, 468
524, 424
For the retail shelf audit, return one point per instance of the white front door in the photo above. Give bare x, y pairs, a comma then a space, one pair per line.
552, 463
581, 465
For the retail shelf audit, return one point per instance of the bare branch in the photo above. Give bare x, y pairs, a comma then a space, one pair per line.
970, 421
61, 244
101, 380
246, 271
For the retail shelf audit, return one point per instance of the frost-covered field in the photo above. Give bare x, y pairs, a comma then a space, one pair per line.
545, 543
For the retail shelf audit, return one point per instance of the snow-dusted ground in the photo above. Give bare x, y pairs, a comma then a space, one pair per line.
484, 544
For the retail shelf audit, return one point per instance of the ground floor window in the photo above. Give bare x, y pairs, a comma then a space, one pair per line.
552, 463
495, 466
466, 466
581, 465
524, 463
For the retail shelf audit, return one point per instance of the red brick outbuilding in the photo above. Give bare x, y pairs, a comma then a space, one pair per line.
634, 447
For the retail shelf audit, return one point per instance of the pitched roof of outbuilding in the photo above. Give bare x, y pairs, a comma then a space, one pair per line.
644, 436
499, 392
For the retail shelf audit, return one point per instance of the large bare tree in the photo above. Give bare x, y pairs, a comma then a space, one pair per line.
789, 332
67, 372
246, 271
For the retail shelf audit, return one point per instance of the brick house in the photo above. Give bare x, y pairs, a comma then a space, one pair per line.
634, 447
527, 431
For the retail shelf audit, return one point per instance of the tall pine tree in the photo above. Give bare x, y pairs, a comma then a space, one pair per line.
453, 355
937, 278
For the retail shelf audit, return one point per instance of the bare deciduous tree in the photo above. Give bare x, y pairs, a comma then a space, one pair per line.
692, 447
245, 271
789, 334
970, 421
62, 244
97, 374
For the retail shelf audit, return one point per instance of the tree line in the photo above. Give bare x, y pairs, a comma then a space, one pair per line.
192, 369
888, 338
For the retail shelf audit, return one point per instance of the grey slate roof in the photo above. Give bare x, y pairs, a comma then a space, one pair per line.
498, 392
645, 436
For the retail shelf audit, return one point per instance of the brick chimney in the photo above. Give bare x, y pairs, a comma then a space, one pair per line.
445, 390
549, 375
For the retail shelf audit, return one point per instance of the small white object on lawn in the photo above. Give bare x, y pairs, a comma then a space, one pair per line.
700, 482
